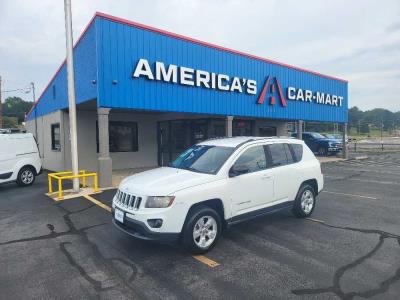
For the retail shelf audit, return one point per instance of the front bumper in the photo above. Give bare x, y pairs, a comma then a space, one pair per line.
334, 149
139, 230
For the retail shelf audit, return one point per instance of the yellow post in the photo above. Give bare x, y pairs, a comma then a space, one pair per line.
83, 180
96, 189
50, 184
59, 189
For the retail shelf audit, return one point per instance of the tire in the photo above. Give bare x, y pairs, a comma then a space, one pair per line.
26, 176
194, 234
305, 201
322, 151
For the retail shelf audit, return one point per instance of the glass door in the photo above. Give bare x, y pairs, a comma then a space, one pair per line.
164, 143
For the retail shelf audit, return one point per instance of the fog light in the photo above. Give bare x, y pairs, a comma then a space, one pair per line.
155, 223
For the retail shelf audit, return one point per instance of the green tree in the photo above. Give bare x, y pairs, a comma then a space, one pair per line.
10, 122
16, 107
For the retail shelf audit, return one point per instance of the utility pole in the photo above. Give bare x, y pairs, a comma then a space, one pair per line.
71, 94
1, 111
34, 100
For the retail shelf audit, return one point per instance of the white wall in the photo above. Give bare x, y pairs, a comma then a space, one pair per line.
146, 156
51, 159
87, 150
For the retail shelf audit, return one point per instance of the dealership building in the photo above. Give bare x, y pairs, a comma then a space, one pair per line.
144, 95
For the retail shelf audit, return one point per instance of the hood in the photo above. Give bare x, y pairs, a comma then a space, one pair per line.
328, 140
163, 181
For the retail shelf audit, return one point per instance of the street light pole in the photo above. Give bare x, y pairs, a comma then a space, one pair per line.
34, 100
71, 93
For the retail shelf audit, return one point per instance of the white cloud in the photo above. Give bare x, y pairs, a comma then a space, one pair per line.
356, 40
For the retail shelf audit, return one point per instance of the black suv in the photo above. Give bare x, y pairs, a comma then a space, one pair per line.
320, 144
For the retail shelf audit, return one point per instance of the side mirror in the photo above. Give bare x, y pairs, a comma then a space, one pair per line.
237, 170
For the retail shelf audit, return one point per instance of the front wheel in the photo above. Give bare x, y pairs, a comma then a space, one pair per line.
305, 202
202, 230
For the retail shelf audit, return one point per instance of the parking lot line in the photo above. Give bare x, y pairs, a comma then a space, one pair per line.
201, 258
206, 261
97, 202
315, 220
350, 195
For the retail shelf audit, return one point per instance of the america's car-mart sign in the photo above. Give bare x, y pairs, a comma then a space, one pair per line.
223, 82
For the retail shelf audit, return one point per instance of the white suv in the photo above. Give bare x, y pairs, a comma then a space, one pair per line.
215, 184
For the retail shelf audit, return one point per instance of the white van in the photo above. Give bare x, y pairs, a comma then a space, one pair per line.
19, 158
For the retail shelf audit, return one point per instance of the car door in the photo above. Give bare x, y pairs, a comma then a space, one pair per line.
251, 187
8, 158
282, 171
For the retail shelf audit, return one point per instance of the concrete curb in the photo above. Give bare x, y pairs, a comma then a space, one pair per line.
359, 157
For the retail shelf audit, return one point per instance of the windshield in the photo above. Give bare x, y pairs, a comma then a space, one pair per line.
316, 135
203, 158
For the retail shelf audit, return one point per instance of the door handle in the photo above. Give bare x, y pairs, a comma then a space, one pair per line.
266, 176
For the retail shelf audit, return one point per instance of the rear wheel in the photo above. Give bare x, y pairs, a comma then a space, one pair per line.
202, 230
26, 176
305, 202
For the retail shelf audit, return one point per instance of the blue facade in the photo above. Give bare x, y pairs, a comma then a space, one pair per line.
110, 50
55, 96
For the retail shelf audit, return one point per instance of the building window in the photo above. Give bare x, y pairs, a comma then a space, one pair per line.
55, 137
123, 136
242, 127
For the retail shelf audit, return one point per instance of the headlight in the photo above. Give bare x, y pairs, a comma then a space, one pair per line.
159, 201
332, 144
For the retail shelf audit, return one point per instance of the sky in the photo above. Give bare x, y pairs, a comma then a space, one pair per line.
356, 40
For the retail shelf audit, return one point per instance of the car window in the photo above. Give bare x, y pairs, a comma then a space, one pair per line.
203, 158
253, 159
277, 154
316, 135
297, 152
289, 155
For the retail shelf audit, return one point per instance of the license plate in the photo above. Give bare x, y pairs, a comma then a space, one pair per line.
119, 215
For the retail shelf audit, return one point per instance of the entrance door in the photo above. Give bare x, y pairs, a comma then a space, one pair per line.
176, 136
199, 131
164, 152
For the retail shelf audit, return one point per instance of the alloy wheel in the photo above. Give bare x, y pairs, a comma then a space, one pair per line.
205, 231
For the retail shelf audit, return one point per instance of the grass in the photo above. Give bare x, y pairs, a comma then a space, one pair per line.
373, 133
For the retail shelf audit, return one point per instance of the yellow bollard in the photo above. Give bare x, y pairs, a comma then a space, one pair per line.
84, 179
50, 184
96, 189
59, 189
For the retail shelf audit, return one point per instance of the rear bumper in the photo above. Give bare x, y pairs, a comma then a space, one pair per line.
139, 230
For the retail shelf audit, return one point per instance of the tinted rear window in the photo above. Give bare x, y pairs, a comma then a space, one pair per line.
297, 152
278, 154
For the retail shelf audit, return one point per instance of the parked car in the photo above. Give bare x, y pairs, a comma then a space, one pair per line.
320, 144
336, 136
19, 158
215, 184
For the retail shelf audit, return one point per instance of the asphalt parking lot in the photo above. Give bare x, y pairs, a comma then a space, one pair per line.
350, 249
